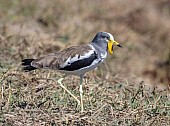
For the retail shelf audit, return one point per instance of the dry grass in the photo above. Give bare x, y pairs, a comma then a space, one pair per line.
117, 94
34, 99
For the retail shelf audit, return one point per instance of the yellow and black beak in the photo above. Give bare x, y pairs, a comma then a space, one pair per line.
111, 43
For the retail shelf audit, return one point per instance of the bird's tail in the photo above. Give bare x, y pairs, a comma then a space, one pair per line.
26, 63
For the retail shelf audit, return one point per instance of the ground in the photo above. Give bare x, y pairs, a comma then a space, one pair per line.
130, 88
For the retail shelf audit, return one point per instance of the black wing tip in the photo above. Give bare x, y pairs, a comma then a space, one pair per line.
28, 68
26, 63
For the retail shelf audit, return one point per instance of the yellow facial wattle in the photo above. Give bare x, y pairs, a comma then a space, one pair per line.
110, 45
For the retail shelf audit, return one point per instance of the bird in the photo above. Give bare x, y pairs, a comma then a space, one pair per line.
75, 60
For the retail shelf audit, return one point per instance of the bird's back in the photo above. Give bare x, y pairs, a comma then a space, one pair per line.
68, 60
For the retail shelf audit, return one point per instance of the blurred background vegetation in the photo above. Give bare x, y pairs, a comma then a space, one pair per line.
142, 27
30, 28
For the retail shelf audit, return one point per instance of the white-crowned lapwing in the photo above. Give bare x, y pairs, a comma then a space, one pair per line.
75, 60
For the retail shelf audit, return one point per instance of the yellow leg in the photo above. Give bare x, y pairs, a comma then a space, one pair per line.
81, 93
59, 81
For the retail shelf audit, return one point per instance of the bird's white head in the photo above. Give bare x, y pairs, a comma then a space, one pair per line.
106, 38
111, 42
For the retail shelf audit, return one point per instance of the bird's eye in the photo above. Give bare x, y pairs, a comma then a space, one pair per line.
105, 37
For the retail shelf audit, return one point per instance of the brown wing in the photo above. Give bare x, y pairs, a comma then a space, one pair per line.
56, 60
